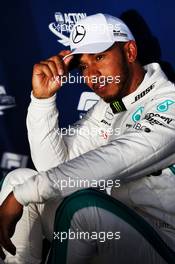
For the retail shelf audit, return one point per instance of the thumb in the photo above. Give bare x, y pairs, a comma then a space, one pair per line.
2, 255
7, 243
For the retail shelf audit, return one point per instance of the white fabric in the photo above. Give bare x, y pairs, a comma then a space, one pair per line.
129, 155
131, 247
36, 222
38, 219
106, 29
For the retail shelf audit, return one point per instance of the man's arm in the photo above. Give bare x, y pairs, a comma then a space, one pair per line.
47, 149
131, 156
49, 146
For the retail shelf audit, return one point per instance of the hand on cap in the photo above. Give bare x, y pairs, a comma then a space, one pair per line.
45, 79
10, 213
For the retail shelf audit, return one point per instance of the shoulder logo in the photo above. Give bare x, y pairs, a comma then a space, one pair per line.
142, 94
164, 106
64, 24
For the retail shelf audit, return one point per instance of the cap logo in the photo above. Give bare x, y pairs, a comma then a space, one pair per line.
78, 34
119, 34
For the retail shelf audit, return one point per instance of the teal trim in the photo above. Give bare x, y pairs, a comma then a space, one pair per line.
1, 182
172, 168
89, 198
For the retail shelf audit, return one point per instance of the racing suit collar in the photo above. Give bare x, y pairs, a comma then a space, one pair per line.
117, 106
154, 76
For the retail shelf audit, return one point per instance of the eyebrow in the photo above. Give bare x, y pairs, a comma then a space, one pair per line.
94, 54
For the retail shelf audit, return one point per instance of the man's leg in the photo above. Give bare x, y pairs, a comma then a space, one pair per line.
36, 222
89, 212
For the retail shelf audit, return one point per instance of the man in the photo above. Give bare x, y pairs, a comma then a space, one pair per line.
130, 138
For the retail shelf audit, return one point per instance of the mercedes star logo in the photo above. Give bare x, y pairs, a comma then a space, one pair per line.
78, 34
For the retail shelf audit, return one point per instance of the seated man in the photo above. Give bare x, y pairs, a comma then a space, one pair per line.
131, 138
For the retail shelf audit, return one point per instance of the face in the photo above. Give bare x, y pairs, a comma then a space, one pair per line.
107, 73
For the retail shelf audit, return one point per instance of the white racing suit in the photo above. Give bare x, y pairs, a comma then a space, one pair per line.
132, 140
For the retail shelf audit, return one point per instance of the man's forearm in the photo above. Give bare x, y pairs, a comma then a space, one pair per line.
47, 147
115, 160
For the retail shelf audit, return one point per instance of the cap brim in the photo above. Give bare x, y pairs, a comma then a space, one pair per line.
91, 49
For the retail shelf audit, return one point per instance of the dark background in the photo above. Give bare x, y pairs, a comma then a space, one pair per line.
26, 39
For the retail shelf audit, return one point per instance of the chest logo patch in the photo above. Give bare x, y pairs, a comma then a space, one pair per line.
137, 114
164, 106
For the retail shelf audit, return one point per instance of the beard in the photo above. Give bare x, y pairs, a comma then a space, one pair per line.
110, 99
121, 90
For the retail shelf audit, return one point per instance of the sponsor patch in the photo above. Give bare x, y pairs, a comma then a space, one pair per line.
151, 117
105, 122
142, 94
139, 126
164, 106
137, 114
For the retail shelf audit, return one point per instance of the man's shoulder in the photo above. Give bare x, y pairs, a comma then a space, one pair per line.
164, 90
162, 86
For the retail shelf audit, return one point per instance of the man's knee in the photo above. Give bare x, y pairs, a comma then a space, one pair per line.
79, 205
15, 177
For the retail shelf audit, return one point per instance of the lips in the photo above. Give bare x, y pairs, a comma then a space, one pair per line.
99, 87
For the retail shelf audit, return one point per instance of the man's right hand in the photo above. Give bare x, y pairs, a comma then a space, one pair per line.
44, 73
10, 213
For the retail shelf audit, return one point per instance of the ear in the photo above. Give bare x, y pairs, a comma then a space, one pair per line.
131, 51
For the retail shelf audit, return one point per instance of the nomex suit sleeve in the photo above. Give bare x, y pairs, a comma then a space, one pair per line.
133, 155
50, 145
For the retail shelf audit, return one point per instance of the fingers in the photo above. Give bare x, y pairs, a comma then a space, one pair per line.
55, 65
2, 255
61, 63
58, 64
40, 69
6, 243
46, 79
51, 67
63, 53
68, 60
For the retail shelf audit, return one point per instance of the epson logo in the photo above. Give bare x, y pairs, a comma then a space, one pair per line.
151, 118
139, 96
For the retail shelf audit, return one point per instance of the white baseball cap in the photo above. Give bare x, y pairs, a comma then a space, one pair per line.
97, 33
